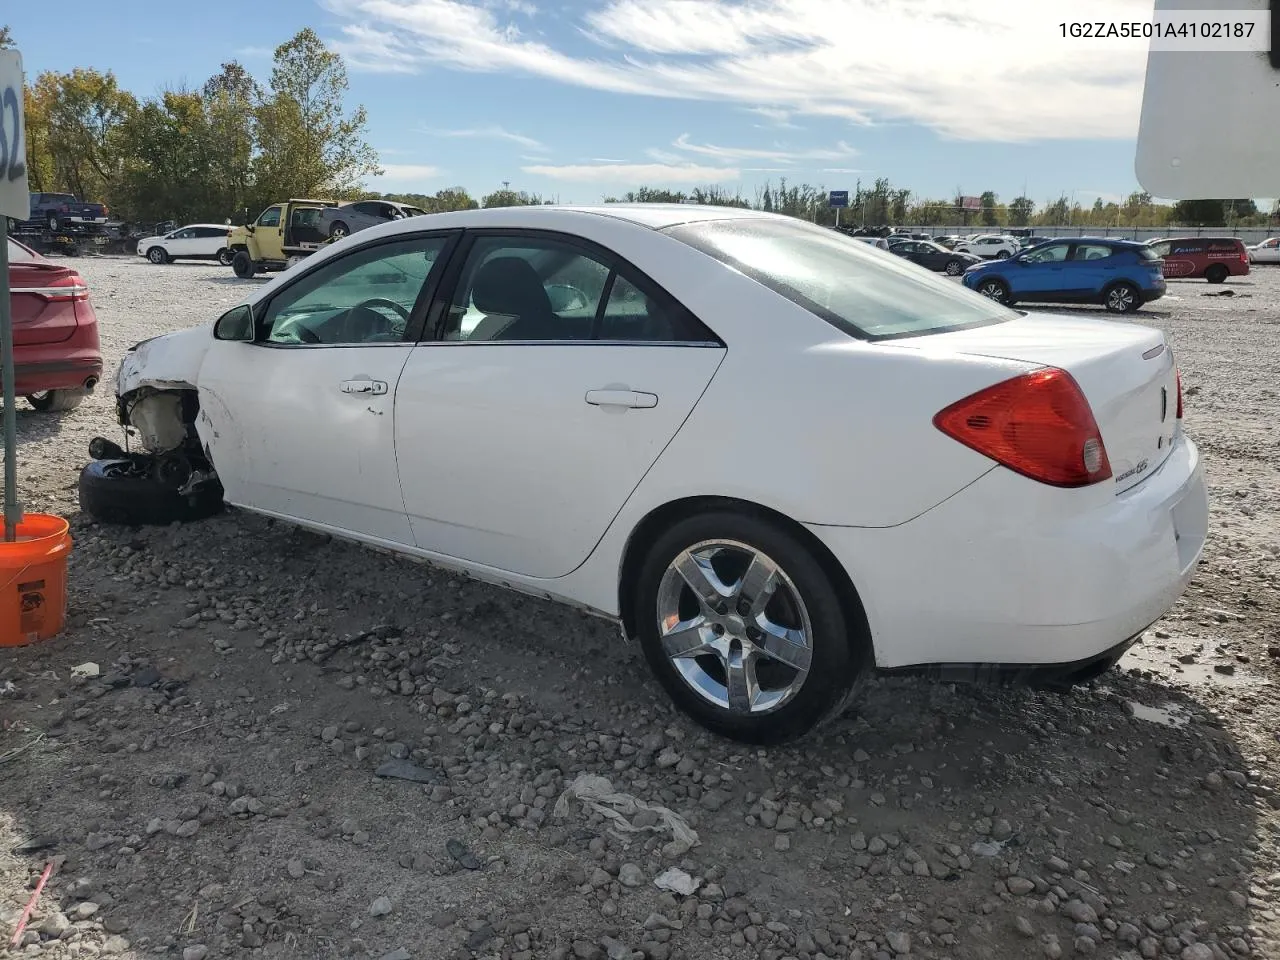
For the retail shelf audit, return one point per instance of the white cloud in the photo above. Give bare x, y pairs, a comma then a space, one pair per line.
404, 177
777, 117
841, 151
648, 173
996, 69
489, 133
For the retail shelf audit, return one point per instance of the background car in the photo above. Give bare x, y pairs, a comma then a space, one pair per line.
338, 222
930, 255
195, 241
1029, 242
1213, 258
1121, 275
989, 246
880, 243
1268, 251
625, 358
56, 353
57, 211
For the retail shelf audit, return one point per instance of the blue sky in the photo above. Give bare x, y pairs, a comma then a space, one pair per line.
581, 98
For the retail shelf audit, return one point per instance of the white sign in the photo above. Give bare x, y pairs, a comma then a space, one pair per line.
1209, 120
15, 202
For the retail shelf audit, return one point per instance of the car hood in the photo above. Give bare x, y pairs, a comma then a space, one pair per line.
150, 240
168, 362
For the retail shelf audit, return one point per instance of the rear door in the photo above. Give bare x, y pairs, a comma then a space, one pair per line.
1090, 267
557, 376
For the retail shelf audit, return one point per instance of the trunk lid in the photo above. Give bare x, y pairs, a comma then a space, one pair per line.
43, 298
1126, 371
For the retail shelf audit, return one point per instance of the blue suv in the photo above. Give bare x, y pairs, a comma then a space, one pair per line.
1119, 274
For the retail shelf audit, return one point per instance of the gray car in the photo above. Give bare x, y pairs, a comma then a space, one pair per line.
338, 222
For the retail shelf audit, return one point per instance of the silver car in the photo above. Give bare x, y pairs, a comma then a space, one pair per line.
338, 222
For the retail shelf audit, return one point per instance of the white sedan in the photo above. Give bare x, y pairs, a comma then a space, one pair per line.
195, 241
781, 459
1268, 251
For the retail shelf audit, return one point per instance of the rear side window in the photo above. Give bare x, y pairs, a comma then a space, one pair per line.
861, 293
1092, 251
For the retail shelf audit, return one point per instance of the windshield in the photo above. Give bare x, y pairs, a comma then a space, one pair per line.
864, 294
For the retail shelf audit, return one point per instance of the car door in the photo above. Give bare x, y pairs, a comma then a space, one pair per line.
299, 421
1268, 251
209, 240
932, 256
180, 242
556, 376
1089, 268
268, 234
1040, 273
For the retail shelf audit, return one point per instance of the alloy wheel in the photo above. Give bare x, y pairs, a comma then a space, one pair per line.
734, 627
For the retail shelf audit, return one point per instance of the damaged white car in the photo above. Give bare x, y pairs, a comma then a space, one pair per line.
779, 458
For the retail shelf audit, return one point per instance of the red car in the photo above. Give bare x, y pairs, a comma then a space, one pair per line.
1214, 258
55, 331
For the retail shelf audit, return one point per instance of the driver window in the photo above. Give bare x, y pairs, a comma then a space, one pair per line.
1054, 254
520, 288
365, 297
270, 217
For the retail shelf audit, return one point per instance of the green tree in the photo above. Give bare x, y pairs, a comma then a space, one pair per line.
6, 39
307, 143
231, 100
649, 195
1020, 211
511, 198
989, 215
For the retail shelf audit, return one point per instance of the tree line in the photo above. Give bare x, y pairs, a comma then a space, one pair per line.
233, 147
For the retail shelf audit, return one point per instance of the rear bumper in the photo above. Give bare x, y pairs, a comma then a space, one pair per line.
1008, 575
68, 373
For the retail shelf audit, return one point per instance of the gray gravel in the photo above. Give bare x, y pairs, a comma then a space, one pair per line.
243, 780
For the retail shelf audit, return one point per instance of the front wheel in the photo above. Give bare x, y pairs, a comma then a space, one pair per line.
242, 265
1122, 298
52, 222
745, 629
225, 257
994, 290
56, 401
157, 255
954, 268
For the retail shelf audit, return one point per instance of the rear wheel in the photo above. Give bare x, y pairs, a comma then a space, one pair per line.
745, 629
339, 230
1002, 254
242, 264
1122, 298
157, 255
225, 257
54, 401
995, 290
954, 268
1216, 273
52, 222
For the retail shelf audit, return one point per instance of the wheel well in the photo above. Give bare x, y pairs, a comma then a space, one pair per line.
236, 248
662, 518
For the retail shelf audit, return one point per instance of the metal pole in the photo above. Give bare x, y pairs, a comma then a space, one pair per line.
12, 509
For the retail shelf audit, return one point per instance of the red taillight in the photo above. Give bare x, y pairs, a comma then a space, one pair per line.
1039, 425
1244, 256
1178, 374
64, 289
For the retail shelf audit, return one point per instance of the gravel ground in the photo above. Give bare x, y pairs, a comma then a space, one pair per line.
216, 791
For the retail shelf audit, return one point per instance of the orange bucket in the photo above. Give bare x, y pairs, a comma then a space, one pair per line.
33, 580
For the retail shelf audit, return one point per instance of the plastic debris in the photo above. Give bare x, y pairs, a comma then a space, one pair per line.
675, 880
597, 794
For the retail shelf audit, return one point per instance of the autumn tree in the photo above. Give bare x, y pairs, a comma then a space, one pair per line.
1020, 211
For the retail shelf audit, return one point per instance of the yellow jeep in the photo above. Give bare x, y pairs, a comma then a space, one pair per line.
282, 234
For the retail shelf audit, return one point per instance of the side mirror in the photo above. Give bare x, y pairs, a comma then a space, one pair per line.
235, 324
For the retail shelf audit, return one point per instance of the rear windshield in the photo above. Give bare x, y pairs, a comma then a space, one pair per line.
864, 293
1147, 253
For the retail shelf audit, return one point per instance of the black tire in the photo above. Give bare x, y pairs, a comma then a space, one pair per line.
56, 401
995, 289
157, 255
52, 222
1002, 254
1216, 273
339, 230
840, 650
242, 265
225, 257
954, 268
1122, 298
116, 491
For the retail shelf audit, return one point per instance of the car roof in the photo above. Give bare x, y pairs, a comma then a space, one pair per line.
188, 226
654, 216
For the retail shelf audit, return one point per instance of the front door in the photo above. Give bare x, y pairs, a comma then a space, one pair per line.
268, 234
558, 377
1043, 273
300, 422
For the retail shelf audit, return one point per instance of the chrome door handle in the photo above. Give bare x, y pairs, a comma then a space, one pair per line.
375, 387
621, 398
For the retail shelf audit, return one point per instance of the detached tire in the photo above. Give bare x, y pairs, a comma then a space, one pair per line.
242, 265
745, 629
115, 491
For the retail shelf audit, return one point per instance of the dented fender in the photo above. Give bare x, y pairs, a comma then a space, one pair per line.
168, 362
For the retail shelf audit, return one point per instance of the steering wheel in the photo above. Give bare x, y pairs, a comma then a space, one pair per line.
306, 334
365, 323
564, 296
383, 302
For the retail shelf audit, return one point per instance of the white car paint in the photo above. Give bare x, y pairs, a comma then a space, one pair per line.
195, 241
989, 246
1268, 251
484, 457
